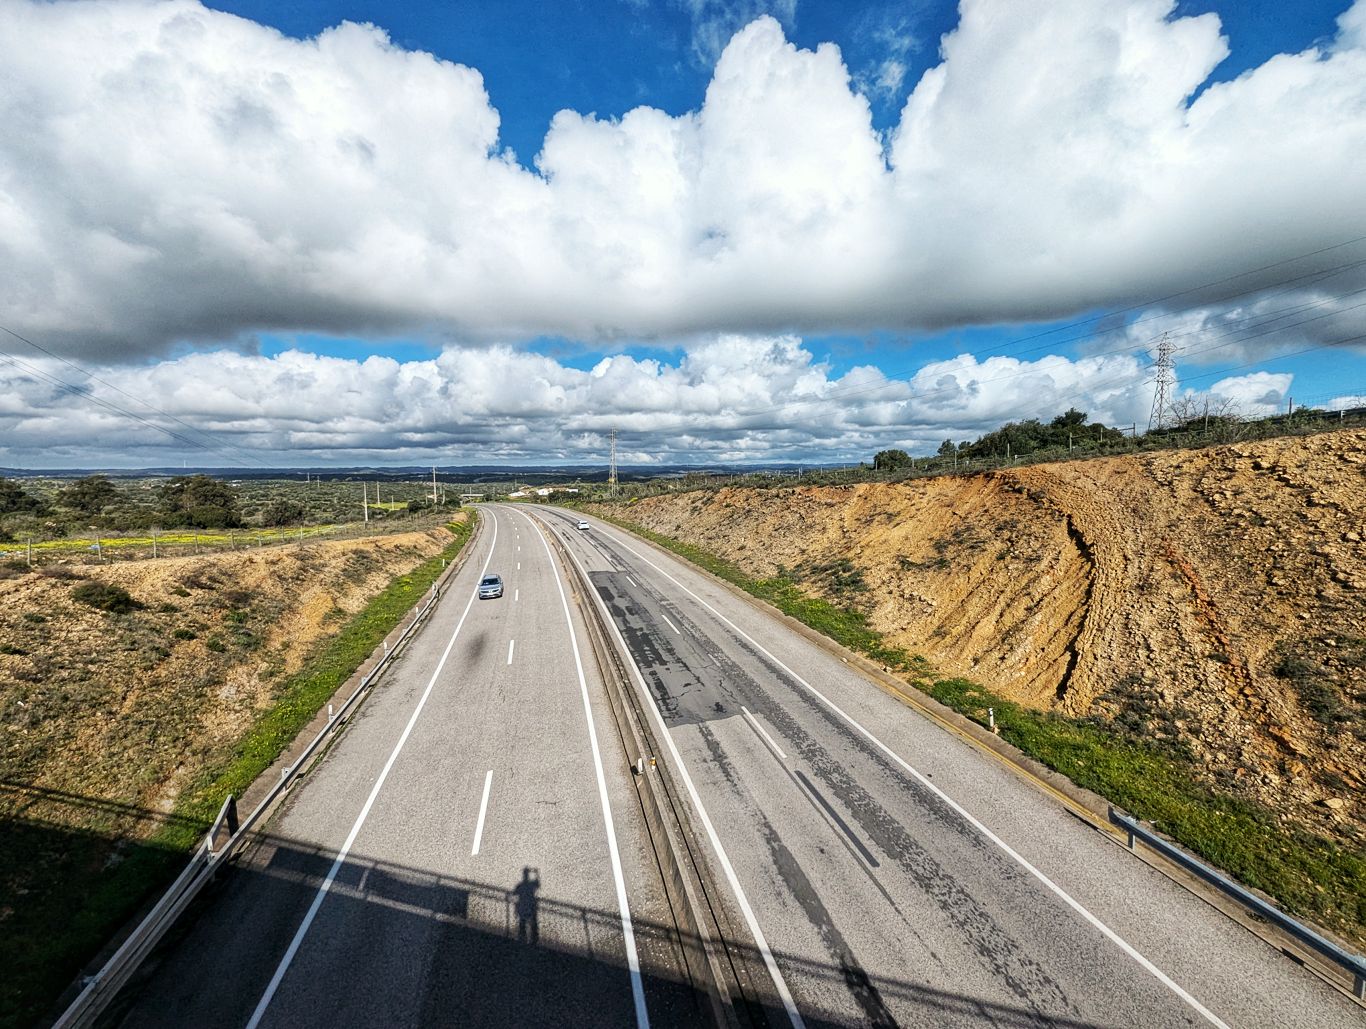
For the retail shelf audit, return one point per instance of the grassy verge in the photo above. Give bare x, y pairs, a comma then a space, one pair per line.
55, 931
180, 538
1307, 874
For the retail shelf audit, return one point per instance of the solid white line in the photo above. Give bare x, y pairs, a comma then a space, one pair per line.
511, 644
762, 732
627, 929
760, 941
483, 810
302, 931
670, 624
1057, 890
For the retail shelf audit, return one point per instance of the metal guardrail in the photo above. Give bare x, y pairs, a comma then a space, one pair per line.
101, 988
1353, 964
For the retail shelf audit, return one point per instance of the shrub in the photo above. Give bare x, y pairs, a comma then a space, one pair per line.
283, 512
184, 634
105, 597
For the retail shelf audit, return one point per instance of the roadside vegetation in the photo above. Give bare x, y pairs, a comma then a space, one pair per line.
88, 839
98, 518
1307, 874
1069, 436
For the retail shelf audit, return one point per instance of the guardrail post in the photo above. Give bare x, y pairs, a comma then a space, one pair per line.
232, 815
1359, 987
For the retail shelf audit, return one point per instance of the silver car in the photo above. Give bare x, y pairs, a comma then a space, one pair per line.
490, 587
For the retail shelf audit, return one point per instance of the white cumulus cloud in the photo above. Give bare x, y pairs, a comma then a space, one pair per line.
171, 173
726, 399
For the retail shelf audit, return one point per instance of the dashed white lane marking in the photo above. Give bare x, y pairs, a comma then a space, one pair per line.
340, 860
760, 941
669, 623
634, 584
519, 566
515, 594
511, 644
763, 732
1020, 859
627, 928
483, 810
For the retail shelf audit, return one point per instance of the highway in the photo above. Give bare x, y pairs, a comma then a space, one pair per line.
471, 849
890, 873
451, 859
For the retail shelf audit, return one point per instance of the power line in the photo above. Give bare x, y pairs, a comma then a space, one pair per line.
80, 391
1313, 277
214, 444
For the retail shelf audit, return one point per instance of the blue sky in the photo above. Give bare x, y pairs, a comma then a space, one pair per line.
770, 230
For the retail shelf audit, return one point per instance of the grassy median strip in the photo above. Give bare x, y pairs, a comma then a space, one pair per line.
1307, 874
78, 919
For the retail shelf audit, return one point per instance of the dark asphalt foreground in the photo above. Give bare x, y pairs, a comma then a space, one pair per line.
894, 893
415, 930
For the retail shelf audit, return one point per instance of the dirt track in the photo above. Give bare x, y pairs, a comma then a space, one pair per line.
1211, 600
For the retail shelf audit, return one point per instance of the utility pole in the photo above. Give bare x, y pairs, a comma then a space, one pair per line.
433, 485
365, 500
1166, 382
612, 465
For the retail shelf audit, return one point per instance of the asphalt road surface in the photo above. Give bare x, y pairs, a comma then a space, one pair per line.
890, 873
469, 852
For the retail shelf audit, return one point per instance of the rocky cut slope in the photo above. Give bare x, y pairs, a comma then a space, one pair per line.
1212, 601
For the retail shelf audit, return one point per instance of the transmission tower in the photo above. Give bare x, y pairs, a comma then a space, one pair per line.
1166, 383
612, 466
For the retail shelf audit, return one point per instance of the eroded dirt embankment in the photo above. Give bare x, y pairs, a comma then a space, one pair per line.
1209, 600
99, 711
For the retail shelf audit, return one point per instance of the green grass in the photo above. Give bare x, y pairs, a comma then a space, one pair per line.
843, 625
1309, 875
45, 944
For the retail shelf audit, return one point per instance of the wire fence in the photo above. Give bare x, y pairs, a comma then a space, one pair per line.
109, 547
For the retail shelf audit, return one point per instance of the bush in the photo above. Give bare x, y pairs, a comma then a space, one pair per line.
105, 597
283, 512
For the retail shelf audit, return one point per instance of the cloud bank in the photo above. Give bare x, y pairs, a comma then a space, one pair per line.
729, 399
171, 173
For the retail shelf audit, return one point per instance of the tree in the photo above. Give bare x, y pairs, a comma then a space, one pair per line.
13, 498
283, 512
947, 448
891, 460
1072, 419
200, 502
90, 495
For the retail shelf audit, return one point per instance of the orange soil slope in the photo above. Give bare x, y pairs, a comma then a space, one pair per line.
126, 708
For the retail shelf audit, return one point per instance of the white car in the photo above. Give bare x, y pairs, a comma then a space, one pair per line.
582, 524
